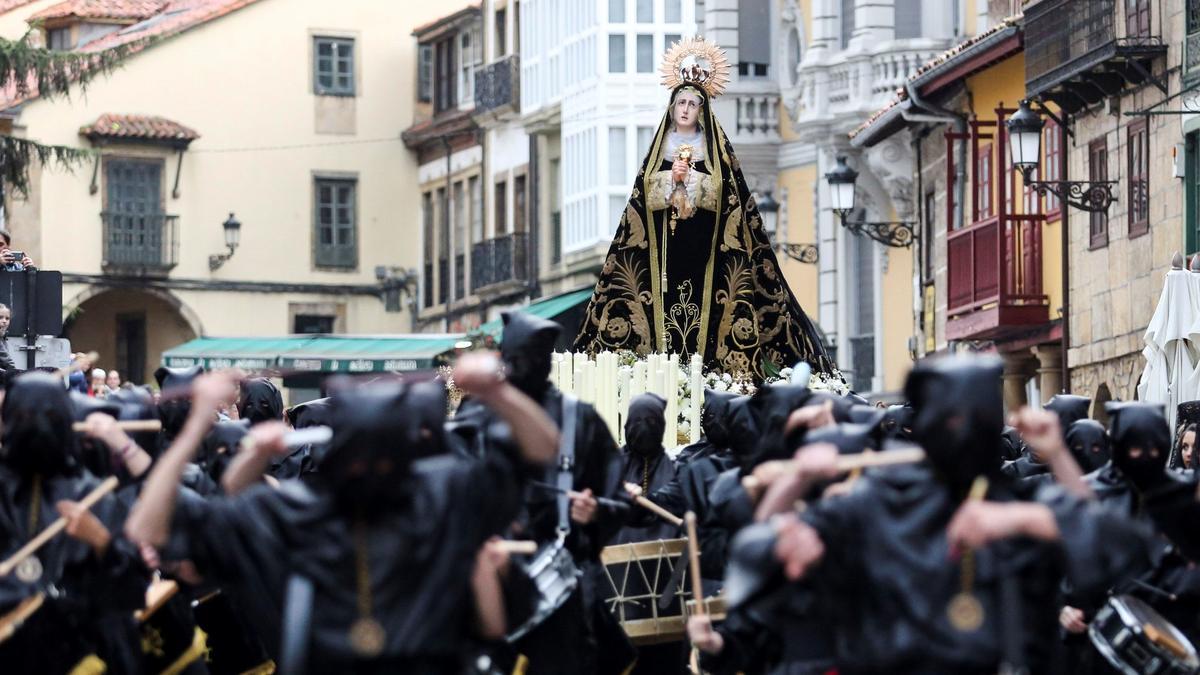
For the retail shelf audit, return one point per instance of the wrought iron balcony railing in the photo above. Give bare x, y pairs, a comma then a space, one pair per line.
1077, 52
497, 86
499, 260
140, 243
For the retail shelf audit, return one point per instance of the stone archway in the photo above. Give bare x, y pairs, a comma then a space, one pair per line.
129, 328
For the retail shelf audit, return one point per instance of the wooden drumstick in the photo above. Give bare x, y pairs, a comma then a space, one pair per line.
694, 562
845, 463
658, 510
518, 547
697, 588
57, 526
125, 425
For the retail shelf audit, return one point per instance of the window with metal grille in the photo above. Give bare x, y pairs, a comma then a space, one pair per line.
1098, 171
333, 66
335, 222
136, 230
1138, 151
1137, 18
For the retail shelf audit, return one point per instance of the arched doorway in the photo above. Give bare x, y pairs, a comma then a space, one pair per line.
129, 328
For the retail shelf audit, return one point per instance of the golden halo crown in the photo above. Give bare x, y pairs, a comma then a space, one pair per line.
697, 62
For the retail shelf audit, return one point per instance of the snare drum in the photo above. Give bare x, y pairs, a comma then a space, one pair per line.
647, 587
1137, 640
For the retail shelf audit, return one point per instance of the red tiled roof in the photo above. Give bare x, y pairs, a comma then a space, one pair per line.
425, 27
940, 59
118, 10
138, 127
176, 16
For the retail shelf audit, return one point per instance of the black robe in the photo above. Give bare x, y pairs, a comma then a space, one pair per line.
421, 560
652, 474
92, 610
887, 577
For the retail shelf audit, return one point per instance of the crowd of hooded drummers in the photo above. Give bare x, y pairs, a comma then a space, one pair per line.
369, 533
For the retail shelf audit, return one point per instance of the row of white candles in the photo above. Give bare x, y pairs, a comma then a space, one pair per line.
601, 382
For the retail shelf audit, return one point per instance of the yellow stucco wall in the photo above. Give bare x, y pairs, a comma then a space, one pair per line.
1004, 84
896, 295
801, 222
13, 23
252, 103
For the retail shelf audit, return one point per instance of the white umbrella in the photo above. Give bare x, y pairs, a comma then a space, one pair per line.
1172, 373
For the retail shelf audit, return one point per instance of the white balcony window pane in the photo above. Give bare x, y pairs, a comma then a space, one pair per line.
645, 11
616, 156
616, 11
673, 11
645, 53
616, 53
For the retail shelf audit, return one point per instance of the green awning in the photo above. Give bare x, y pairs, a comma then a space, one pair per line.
315, 353
368, 354
229, 352
547, 308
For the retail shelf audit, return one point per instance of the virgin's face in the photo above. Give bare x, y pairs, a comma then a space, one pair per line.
686, 111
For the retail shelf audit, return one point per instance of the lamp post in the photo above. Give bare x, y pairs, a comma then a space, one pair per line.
768, 208
233, 236
1025, 147
841, 181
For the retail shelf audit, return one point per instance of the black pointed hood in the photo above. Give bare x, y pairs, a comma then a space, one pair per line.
1088, 442
959, 414
645, 423
715, 417
37, 436
1069, 408
1140, 441
260, 401
526, 347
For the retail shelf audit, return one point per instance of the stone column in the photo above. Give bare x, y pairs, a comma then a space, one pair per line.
1049, 370
1018, 368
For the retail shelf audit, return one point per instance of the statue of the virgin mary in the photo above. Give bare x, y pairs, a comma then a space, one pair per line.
691, 269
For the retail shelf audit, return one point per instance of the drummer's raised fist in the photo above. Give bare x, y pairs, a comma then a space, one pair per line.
478, 373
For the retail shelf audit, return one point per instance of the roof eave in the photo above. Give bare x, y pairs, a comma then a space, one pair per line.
995, 47
881, 128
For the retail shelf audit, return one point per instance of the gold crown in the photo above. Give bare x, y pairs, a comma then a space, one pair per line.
696, 62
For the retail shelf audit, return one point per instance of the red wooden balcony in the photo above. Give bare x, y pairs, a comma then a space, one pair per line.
995, 278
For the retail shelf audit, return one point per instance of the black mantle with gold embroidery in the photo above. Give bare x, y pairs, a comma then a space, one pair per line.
724, 294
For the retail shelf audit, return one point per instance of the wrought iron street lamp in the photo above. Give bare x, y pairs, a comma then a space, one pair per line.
768, 208
1025, 147
233, 236
841, 180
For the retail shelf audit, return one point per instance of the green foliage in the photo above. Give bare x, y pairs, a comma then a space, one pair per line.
27, 70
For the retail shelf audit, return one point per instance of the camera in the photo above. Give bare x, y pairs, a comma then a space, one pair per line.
17, 256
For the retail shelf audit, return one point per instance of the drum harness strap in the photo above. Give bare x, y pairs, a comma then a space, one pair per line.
566, 464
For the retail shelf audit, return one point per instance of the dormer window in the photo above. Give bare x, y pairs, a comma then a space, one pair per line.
59, 39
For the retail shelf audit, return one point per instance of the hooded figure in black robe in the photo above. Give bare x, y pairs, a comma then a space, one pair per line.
260, 401
413, 525
886, 575
644, 462
89, 597
566, 641
724, 295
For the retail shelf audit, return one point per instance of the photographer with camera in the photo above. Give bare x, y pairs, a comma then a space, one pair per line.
12, 260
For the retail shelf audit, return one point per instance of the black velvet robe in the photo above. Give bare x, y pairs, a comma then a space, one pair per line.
421, 559
887, 577
92, 610
724, 295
